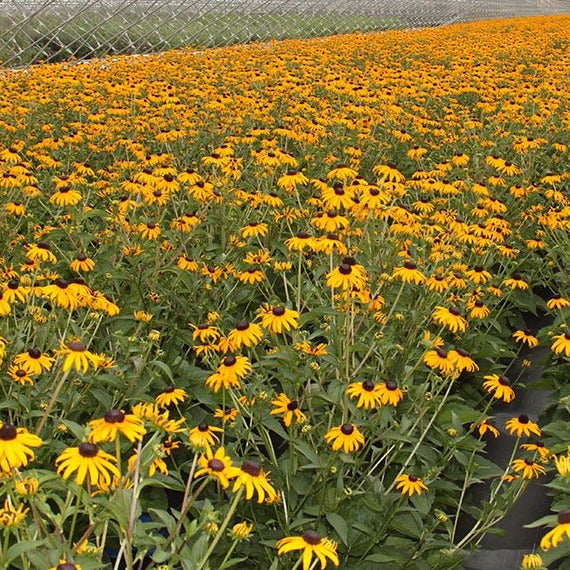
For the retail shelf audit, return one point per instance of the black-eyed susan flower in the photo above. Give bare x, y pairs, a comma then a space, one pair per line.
561, 344
245, 334
344, 277
27, 486
90, 461
241, 531
409, 273
346, 436
528, 468
10, 516
525, 337
116, 422
462, 360
205, 332
77, 356
16, 446
171, 396
66, 196
555, 536
22, 374
229, 373
291, 179
300, 242
499, 387
532, 561
369, 394
562, 463
215, 465
516, 282
226, 414
557, 302
390, 393
156, 464
312, 545
486, 426
82, 264
253, 479
278, 318
522, 425
439, 359
450, 318
410, 484
288, 408
66, 565
539, 447
35, 360
204, 435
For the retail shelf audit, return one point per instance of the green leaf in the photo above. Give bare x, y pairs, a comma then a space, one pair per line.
339, 525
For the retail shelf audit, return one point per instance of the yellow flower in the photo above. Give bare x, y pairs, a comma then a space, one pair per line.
278, 319
554, 537
531, 562
525, 337
252, 477
289, 408
369, 394
529, 468
204, 435
410, 484
409, 273
312, 545
77, 356
462, 360
562, 343
499, 387
10, 516
244, 334
27, 486
522, 426
390, 393
114, 422
345, 277
229, 373
89, 461
216, 465
450, 318
440, 359
15, 447
171, 396
347, 436
242, 530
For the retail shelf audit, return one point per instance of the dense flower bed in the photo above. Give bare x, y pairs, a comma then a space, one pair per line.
259, 303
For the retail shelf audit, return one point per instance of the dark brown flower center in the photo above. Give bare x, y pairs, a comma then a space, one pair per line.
216, 465
230, 360
81, 257
88, 450
368, 385
278, 311
564, 517
311, 537
303, 235
412, 478
345, 269
463, 352
114, 417
347, 429
77, 346
13, 284
523, 419
441, 352
293, 405
454, 311
504, 381
20, 373
410, 265
242, 326
203, 427
391, 385
8, 432
66, 566
251, 468
44, 245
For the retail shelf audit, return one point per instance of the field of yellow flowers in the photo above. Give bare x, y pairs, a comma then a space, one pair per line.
260, 304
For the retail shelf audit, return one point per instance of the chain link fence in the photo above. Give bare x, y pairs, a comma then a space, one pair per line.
33, 31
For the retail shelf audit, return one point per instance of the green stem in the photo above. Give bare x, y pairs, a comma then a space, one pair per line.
222, 529
75, 513
51, 403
